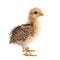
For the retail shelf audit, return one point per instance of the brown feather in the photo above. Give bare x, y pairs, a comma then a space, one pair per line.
21, 32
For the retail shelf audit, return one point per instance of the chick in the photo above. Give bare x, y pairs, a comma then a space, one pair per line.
25, 33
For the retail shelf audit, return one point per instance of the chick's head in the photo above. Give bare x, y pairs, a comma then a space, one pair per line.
35, 13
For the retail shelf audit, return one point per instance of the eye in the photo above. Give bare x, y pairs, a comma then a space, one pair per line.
35, 12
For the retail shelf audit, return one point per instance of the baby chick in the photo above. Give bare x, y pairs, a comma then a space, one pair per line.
24, 34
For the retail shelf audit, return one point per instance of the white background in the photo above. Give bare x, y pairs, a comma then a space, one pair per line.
47, 44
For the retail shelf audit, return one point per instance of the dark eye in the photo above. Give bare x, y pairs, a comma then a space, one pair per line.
35, 12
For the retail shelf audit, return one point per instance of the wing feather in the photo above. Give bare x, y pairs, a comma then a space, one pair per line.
21, 32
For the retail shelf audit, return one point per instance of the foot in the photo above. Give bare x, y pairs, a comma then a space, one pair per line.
29, 54
27, 50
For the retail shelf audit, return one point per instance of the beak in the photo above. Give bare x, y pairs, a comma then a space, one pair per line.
41, 14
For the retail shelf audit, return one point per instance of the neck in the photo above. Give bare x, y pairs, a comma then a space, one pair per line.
32, 20
35, 23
